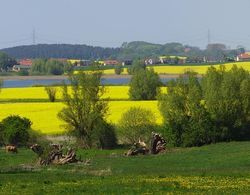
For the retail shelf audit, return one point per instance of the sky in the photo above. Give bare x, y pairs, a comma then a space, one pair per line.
109, 23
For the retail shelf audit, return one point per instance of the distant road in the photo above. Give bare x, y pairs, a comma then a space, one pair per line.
65, 77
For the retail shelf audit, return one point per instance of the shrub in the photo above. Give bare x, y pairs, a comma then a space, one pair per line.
23, 73
15, 130
136, 123
106, 135
118, 70
51, 91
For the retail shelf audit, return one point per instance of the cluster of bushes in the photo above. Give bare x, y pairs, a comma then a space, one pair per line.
214, 108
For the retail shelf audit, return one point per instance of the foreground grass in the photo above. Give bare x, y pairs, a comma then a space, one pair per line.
44, 115
220, 169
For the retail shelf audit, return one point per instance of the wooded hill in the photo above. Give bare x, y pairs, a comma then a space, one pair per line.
136, 49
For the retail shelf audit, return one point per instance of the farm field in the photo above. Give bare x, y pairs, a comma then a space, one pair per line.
171, 69
39, 94
44, 115
214, 169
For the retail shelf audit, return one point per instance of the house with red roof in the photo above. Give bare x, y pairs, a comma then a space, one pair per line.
243, 57
25, 62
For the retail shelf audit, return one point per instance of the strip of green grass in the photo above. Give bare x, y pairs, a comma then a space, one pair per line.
222, 168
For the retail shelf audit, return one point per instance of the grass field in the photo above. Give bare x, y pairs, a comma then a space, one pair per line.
171, 69
44, 115
215, 169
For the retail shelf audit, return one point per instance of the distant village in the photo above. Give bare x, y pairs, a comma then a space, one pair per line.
26, 64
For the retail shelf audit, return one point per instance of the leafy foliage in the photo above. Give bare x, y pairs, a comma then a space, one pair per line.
105, 135
15, 130
51, 91
136, 123
216, 110
6, 62
84, 106
118, 70
227, 98
144, 85
51, 66
1, 84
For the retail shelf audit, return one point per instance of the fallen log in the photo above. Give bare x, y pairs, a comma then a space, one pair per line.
158, 143
54, 155
138, 148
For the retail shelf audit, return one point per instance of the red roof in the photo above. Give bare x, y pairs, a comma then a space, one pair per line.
111, 62
25, 62
244, 56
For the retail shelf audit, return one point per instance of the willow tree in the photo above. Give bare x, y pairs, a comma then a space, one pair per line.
84, 109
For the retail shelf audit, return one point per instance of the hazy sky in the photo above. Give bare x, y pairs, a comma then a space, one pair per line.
112, 22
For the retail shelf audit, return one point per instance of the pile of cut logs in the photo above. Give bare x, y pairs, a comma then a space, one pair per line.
54, 155
158, 145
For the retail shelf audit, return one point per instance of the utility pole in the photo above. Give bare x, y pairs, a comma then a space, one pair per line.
208, 37
34, 36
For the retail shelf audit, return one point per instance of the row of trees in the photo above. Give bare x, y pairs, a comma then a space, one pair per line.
211, 109
50, 66
196, 111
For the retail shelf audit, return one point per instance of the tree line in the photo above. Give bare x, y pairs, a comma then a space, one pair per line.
132, 50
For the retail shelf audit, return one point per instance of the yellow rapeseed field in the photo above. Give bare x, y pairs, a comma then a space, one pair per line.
181, 69
112, 92
44, 115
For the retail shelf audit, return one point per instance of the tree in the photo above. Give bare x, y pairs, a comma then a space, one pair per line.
226, 97
51, 66
1, 84
136, 123
144, 84
84, 107
118, 70
51, 91
15, 130
184, 114
136, 66
6, 62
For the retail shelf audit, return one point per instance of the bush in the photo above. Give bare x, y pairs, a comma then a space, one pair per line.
106, 135
136, 123
15, 130
23, 73
118, 70
51, 91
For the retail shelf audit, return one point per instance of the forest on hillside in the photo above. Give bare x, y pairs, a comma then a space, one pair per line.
132, 50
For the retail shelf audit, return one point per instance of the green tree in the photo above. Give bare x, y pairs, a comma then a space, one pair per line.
144, 85
136, 123
1, 84
6, 62
51, 92
118, 70
184, 113
136, 66
15, 130
84, 108
226, 97
50, 67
